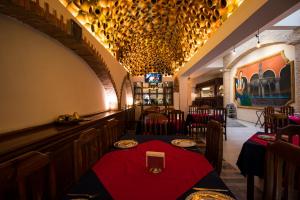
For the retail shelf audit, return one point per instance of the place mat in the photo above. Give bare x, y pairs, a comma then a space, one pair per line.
124, 174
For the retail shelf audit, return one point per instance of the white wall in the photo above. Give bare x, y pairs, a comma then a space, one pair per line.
289, 51
41, 79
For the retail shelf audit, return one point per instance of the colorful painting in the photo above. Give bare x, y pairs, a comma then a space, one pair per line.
266, 82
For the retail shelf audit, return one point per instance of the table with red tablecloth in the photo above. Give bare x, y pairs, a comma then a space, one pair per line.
293, 119
122, 174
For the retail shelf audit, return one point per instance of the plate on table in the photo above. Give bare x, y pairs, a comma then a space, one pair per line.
209, 195
125, 144
183, 142
267, 137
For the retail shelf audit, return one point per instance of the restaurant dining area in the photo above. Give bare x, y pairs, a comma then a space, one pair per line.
149, 99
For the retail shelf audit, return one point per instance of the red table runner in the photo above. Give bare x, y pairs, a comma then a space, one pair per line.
123, 173
258, 140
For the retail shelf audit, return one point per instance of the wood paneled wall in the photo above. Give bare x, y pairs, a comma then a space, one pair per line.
56, 141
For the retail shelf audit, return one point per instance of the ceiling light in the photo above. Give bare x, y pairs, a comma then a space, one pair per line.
206, 88
233, 50
258, 41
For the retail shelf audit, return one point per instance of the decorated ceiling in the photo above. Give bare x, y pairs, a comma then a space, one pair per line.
152, 35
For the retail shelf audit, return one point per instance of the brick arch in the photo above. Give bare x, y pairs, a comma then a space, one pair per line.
128, 86
31, 13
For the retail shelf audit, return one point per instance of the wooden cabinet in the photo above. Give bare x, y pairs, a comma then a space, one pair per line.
160, 94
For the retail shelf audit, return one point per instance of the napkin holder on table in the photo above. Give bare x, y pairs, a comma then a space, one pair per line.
155, 161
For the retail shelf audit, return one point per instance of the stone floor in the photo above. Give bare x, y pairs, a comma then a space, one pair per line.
237, 183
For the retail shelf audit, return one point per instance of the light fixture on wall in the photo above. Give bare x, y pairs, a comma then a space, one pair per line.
233, 50
258, 41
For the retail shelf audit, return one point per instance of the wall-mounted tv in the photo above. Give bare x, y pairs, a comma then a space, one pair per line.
153, 78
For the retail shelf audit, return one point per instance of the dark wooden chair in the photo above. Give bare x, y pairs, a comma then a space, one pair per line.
278, 120
198, 126
220, 115
86, 152
156, 124
166, 111
287, 133
193, 109
281, 180
287, 110
176, 122
30, 176
113, 132
268, 111
214, 145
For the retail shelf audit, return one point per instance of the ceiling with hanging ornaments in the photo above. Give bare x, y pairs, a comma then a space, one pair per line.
152, 35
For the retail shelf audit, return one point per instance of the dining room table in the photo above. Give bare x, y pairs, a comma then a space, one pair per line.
122, 174
251, 160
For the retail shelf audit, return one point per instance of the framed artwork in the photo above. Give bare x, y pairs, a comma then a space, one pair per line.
265, 82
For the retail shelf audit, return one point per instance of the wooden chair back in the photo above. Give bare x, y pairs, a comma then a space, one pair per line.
220, 115
281, 180
290, 132
278, 121
112, 132
214, 145
199, 125
166, 111
176, 122
268, 112
193, 109
155, 123
86, 152
287, 110
30, 176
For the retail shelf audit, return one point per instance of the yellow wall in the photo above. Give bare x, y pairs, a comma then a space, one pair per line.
41, 79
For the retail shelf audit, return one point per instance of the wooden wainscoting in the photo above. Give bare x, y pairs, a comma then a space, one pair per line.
55, 141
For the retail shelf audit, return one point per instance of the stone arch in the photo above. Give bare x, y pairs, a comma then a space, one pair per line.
240, 57
31, 13
126, 93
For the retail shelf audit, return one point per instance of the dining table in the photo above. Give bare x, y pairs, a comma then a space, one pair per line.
251, 160
121, 174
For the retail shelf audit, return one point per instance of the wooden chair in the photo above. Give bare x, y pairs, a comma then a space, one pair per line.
199, 124
220, 115
289, 131
176, 122
287, 110
214, 145
281, 180
86, 152
193, 109
278, 120
155, 123
30, 176
166, 111
112, 132
268, 111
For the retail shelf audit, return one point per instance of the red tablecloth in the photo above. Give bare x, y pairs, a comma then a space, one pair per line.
295, 119
258, 140
123, 173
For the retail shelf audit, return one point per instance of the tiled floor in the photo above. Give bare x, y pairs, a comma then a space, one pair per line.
236, 136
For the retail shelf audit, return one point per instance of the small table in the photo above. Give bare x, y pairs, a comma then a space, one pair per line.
259, 114
134, 162
251, 161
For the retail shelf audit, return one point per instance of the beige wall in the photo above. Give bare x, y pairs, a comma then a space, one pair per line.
41, 79
289, 50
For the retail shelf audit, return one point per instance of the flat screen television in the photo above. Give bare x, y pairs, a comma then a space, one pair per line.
153, 78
